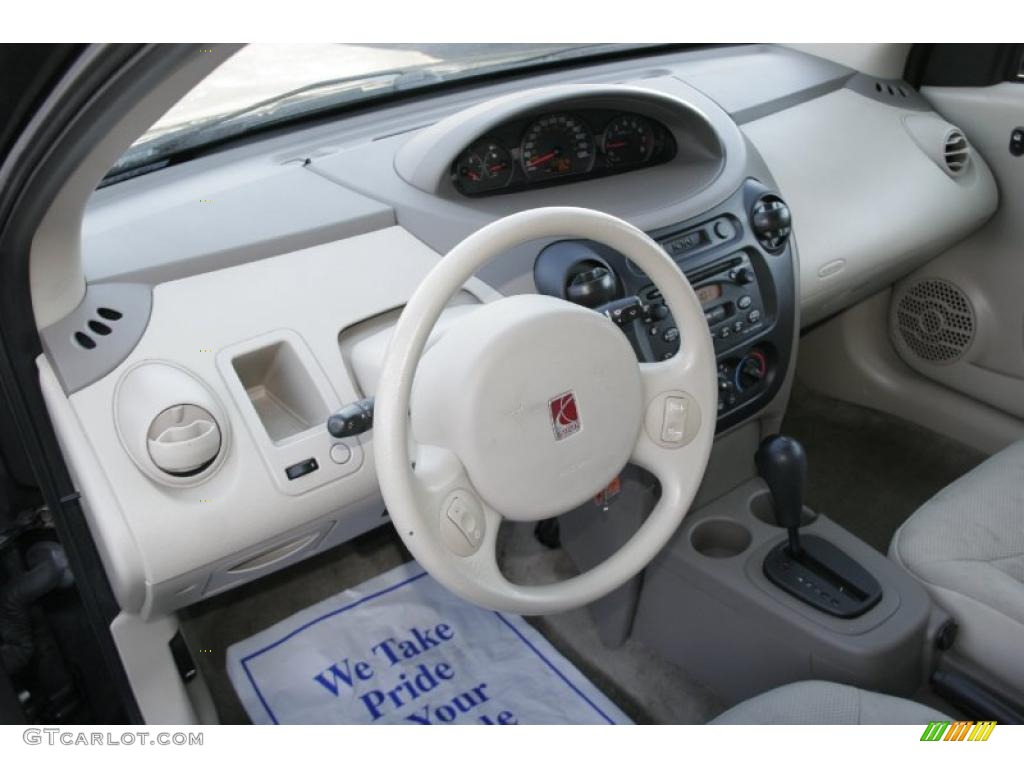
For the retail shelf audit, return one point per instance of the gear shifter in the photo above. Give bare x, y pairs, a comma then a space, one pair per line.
782, 463
810, 568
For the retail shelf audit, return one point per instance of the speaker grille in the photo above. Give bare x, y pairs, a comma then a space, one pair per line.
934, 320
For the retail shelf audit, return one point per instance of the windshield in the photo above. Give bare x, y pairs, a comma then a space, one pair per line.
265, 83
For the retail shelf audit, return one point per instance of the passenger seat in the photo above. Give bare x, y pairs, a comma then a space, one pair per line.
815, 702
966, 546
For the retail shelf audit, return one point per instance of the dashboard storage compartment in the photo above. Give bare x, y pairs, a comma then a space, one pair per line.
284, 397
281, 390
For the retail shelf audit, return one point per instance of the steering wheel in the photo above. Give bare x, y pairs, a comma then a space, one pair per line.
531, 405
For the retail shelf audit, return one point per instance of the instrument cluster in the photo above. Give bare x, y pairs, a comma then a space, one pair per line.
560, 147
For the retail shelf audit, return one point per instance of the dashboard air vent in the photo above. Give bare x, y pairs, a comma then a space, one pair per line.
87, 340
772, 223
889, 88
956, 153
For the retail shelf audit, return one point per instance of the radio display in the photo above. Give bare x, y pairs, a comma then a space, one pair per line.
708, 293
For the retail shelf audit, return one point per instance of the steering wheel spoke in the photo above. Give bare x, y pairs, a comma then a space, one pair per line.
466, 524
673, 417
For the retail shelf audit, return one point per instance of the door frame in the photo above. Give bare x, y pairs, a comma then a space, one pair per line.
75, 94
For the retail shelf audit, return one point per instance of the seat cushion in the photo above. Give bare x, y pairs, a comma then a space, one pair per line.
966, 545
814, 702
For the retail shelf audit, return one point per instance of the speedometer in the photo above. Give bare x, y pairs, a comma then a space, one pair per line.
557, 145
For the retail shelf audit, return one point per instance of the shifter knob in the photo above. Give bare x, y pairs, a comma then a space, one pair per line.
782, 463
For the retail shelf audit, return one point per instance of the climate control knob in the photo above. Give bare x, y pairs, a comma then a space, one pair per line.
751, 371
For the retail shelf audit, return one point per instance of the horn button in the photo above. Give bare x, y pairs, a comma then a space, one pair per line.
540, 399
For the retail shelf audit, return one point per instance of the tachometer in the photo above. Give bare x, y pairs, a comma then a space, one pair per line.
557, 145
627, 140
484, 167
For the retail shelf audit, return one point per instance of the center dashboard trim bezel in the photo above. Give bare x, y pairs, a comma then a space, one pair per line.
773, 338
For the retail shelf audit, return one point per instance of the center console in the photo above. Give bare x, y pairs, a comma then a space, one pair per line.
738, 260
811, 569
713, 603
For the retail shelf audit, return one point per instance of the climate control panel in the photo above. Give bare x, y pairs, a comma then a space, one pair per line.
741, 378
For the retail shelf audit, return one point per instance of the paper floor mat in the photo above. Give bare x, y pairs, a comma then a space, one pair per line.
401, 648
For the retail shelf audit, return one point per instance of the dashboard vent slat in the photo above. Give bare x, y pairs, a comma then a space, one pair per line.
97, 327
85, 341
956, 153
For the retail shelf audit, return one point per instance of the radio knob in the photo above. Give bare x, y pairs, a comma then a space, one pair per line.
741, 276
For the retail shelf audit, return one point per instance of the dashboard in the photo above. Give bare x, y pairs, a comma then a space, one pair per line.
560, 146
783, 189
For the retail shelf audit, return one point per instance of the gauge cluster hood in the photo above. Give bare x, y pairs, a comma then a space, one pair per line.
426, 159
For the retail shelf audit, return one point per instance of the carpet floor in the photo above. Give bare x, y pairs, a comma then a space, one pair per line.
867, 470
644, 685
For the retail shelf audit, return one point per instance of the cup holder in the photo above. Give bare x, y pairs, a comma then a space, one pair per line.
720, 538
763, 509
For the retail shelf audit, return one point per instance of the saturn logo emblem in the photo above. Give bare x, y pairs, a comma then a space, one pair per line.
565, 416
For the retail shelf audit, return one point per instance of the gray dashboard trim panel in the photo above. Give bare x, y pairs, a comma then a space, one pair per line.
759, 79
903, 94
789, 100
77, 366
220, 217
905, 97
